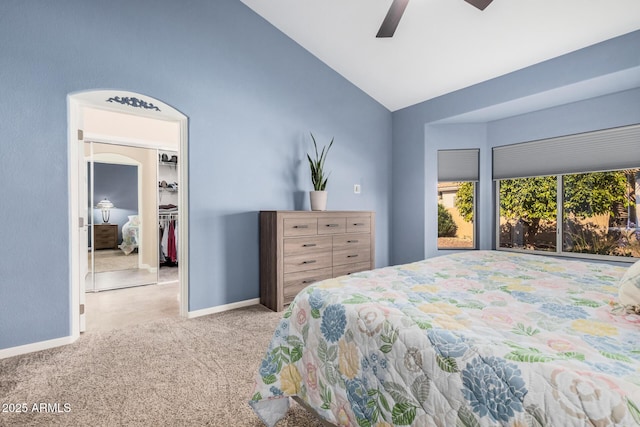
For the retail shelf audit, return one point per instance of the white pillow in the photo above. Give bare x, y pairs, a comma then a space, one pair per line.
629, 291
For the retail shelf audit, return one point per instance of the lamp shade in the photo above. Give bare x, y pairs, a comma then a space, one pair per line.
105, 204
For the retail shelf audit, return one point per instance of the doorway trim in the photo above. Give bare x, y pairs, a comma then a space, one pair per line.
134, 104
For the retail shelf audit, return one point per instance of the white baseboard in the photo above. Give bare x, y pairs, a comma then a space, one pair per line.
221, 308
44, 345
148, 268
36, 346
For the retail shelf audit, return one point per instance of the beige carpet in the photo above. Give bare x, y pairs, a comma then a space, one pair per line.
163, 373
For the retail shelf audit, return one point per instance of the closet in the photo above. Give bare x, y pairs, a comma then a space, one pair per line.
168, 215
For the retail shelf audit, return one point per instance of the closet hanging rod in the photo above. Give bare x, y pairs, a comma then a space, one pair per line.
168, 214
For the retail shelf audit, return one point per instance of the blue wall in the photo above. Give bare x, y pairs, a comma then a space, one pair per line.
419, 131
252, 96
119, 184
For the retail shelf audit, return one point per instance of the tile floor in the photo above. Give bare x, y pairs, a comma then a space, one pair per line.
125, 308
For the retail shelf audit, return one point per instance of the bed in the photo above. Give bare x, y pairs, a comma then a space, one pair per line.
130, 234
480, 338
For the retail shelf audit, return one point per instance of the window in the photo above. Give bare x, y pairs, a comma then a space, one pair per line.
578, 194
528, 213
600, 213
457, 175
456, 209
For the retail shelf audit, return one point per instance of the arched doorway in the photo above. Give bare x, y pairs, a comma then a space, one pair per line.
125, 118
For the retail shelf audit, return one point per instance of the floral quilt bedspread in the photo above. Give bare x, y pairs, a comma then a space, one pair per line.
130, 233
481, 338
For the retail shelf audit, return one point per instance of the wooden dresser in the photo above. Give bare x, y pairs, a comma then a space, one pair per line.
105, 236
298, 248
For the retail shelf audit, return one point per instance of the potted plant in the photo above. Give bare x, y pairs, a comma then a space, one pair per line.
318, 197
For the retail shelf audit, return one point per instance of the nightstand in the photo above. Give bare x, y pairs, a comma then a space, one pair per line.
105, 236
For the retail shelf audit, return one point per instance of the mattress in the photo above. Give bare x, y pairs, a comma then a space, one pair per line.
480, 338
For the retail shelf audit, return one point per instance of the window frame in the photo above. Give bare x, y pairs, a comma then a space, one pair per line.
475, 222
559, 252
459, 165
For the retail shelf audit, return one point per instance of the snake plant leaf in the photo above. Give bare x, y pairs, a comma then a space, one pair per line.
318, 177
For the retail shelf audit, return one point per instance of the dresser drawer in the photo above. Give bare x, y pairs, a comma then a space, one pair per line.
105, 230
351, 256
343, 270
306, 245
305, 262
298, 248
300, 227
352, 241
105, 236
359, 224
295, 282
332, 225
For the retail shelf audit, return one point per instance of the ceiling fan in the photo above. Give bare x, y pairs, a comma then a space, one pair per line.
396, 10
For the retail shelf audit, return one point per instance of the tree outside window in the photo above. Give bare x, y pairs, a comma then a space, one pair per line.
598, 213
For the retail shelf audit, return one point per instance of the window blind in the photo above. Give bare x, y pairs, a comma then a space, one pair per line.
458, 165
603, 150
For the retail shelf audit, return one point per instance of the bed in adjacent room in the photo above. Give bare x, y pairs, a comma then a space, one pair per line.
479, 338
130, 234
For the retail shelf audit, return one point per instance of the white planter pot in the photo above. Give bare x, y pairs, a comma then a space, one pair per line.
318, 200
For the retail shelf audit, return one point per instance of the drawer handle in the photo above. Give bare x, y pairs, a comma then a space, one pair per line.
333, 225
309, 262
352, 256
352, 241
304, 282
309, 245
358, 224
300, 226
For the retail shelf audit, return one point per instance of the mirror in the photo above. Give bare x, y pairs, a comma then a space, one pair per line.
122, 199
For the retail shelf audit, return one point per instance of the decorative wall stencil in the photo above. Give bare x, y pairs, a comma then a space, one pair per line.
134, 102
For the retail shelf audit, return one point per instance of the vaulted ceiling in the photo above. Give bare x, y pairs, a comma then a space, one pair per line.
443, 45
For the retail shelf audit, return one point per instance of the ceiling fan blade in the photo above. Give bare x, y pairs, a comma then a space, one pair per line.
392, 19
480, 4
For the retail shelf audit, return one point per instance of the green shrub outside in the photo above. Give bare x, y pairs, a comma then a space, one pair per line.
446, 226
